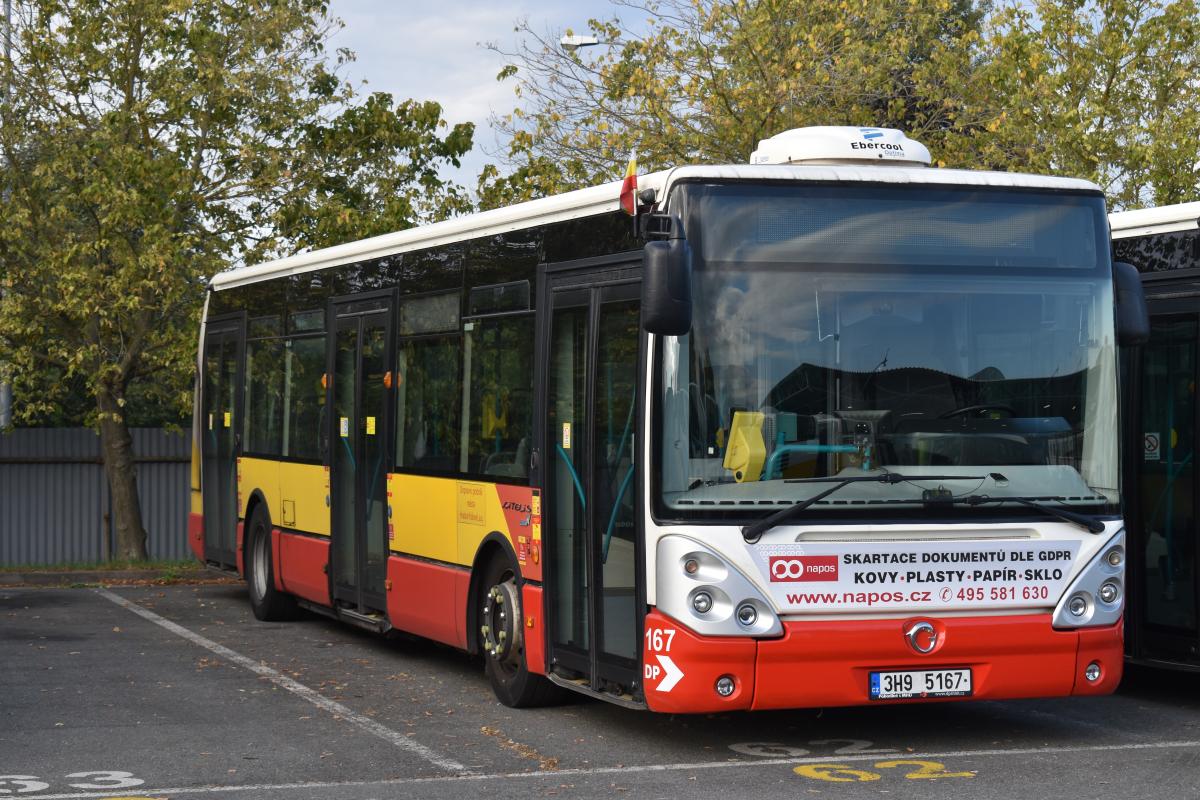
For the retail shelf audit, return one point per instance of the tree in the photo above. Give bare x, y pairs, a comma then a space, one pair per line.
1102, 89
709, 78
1107, 90
149, 144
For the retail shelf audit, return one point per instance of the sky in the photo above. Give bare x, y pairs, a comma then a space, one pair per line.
430, 50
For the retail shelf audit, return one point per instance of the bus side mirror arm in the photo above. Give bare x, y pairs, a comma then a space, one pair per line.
1133, 321
667, 284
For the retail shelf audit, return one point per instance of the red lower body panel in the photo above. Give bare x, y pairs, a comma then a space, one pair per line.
195, 535
534, 632
827, 663
670, 648
428, 600
301, 565
241, 548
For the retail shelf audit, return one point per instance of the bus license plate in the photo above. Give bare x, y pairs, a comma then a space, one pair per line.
922, 683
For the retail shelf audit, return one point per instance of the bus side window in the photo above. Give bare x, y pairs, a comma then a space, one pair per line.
428, 396
500, 396
263, 428
304, 397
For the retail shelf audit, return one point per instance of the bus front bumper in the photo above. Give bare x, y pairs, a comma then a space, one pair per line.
827, 663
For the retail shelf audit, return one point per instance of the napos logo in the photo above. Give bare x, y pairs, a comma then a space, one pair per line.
794, 569
871, 133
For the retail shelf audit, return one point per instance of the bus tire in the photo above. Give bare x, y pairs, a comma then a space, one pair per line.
268, 603
501, 642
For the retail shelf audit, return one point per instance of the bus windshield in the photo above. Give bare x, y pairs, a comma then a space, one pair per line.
844, 331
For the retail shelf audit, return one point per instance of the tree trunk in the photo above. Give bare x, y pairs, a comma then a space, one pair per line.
116, 445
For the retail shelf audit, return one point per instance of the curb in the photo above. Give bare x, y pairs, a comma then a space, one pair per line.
73, 577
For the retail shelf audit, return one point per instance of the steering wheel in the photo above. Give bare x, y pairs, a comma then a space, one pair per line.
961, 412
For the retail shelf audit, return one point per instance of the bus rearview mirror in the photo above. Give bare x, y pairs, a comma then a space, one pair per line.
667, 287
1133, 322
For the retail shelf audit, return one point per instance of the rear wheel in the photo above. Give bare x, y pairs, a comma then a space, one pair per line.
269, 604
502, 642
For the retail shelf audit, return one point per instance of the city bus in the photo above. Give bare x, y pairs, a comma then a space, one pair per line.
1163, 617
833, 427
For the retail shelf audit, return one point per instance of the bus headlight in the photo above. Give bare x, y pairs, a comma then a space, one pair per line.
747, 615
708, 594
1110, 592
1097, 595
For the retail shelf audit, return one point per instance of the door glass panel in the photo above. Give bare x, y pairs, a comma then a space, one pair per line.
345, 461
227, 447
212, 443
613, 474
374, 450
1166, 480
566, 444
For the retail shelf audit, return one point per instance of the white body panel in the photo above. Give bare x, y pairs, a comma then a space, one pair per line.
1164, 219
606, 198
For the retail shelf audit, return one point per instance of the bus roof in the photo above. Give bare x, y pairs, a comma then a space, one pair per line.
1163, 219
606, 198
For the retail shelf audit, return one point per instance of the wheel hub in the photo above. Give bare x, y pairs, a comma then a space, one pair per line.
500, 629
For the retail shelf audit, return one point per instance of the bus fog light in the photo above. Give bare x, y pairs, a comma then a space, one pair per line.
725, 685
747, 614
1115, 557
702, 602
1110, 592
1093, 672
1078, 605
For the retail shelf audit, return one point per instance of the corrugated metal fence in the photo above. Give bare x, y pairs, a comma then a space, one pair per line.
54, 500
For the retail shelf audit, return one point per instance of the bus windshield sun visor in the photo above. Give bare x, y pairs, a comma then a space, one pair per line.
753, 532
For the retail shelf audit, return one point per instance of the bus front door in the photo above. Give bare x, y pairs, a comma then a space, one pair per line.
1164, 548
221, 440
593, 595
359, 452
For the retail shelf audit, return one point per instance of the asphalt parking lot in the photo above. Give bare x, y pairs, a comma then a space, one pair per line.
177, 692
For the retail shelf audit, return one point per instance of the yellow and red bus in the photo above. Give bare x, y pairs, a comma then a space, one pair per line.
829, 428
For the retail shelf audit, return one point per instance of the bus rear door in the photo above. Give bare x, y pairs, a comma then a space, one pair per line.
221, 421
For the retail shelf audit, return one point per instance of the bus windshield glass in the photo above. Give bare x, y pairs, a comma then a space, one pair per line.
843, 331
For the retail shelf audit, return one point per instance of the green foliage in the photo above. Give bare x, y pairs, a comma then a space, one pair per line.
710, 78
150, 144
1106, 90
1101, 89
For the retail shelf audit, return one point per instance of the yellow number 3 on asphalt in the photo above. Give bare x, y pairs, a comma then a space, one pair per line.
839, 773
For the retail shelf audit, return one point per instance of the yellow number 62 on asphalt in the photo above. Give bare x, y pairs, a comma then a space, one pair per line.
840, 773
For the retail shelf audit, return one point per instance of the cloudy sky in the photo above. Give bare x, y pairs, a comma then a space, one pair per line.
426, 49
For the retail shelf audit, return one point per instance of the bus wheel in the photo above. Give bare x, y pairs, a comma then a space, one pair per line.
502, 643
269, 604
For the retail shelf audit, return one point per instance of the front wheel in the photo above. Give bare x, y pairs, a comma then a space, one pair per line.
502, 643
269, 604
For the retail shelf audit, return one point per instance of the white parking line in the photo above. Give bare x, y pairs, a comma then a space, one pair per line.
284, 682
637, 768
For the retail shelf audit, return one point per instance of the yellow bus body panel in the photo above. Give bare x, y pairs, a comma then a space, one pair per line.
423, 518
295, 493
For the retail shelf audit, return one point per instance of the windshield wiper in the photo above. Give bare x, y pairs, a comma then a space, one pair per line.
754, 531
1083, 520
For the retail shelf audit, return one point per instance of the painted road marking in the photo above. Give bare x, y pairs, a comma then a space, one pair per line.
643, 768
284, 682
